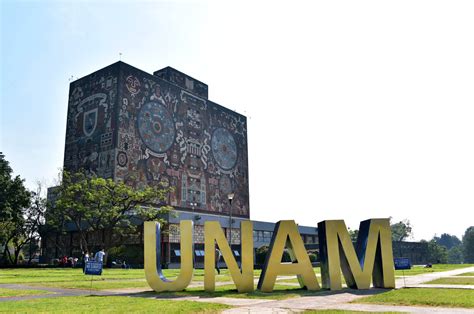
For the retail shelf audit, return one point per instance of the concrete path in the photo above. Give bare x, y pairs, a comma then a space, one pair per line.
418, 280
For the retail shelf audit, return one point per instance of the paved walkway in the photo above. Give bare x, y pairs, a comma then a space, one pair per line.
418, 280
337, 300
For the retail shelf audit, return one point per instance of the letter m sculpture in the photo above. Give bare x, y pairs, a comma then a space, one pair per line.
371, 259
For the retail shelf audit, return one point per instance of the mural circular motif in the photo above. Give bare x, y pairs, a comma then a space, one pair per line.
224, 148
122, 159
156, 127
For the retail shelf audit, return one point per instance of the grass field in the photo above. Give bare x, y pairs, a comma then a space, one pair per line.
151, 302
453, 281
19, 293
135, 278
109, 304
424, 296
74, 278
466, 274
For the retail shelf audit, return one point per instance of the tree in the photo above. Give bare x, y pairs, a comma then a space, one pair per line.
452, 245
437, 253
468, 245
455, 255
353, 234
33, 218
447, 240
94, 204
14, 197
401, 230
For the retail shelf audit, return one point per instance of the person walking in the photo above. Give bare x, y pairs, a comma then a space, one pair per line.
218, 257
99, 256
85, 259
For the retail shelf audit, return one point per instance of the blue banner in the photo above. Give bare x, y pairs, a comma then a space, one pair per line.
93, 268
402, 263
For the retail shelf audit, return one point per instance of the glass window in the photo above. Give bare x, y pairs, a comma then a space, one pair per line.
177, 252
255, 236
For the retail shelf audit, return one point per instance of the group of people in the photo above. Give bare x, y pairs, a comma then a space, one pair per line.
67, 261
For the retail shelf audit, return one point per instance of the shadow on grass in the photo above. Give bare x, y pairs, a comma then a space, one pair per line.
280, 293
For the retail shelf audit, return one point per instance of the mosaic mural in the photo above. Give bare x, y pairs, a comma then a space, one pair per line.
167, 134
126, 124
91, 124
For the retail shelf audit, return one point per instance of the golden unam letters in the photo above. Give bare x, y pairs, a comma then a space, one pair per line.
213, 234
286, 235
371, 260
153, 273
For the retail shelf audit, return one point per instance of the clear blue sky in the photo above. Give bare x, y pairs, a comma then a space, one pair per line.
357, 109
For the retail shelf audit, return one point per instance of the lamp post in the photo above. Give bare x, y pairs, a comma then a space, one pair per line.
193, 205
230, 197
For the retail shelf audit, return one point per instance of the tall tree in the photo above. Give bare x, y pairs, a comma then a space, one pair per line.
33, 217
437, 253
94, 204
447, 240
455, 255
401, 230
14, 197
354, 234
468, 245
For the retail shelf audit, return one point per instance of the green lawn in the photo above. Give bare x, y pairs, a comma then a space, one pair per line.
74, 278
423, 296
96, 284
135, 278
466, 274
418, 269
109, 304
453, 281
4, 292
111, 278
40, 275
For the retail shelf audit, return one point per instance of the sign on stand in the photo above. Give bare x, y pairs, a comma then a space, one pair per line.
93, 268
402, 263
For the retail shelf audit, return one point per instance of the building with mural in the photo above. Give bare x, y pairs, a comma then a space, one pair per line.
143, 129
